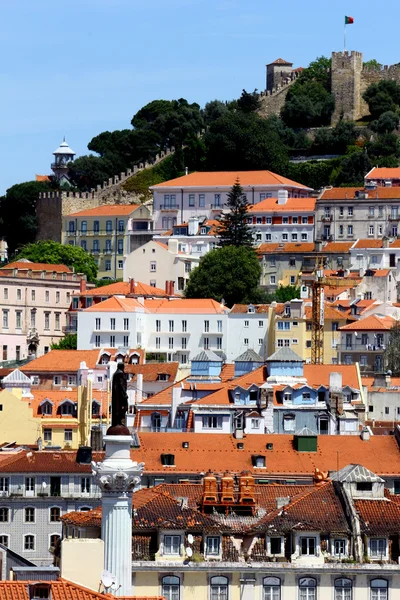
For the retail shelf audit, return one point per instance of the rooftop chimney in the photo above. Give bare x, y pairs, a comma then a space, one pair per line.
365, 434
132, 286
82, 285
282, 196
186, 171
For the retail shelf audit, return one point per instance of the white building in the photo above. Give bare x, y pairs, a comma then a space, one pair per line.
205, 194
172, 329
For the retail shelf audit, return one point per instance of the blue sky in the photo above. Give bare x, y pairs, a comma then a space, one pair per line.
79, 67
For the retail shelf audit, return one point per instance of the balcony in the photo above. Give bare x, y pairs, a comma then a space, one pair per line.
361, 348
95, 251
326, 218
70, 328
173, 207
394, 217
216, 207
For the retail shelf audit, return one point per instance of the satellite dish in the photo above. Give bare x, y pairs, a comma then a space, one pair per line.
107, 579
189, 552
190, 538
44, 485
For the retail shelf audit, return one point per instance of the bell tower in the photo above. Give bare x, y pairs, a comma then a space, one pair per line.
62, 156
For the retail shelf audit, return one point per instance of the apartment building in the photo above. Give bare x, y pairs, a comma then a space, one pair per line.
345, 214
196, 237
205, 194
34, 299
109, 232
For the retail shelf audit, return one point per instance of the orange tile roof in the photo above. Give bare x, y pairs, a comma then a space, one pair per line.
318, 375
292, 204
150, 371
122, 288
384, 173
222, 396
243, 308
380, 272
42, 178
340, 247
57, 397
32, 266
228, 179
330, 313
185, 306
368, 244
292, 247
394, 385
62, 361
219, 452
371, 323
349, 193
116, 304
395, 243
110, 210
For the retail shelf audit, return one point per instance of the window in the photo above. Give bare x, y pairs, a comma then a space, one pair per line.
84, 245
172, 544
4, 540
170, 343
219, 588
184, 343
5, 319
268, 237
108, 245
170, 588
308, 546
57, 321
349, 229
4, 483
307, 588
158, 343
120, 246
379, 589
219, 326
108, 265
188, 267
84, 226
377, 548
67, 435
371, 230
217, 200
112, 341
339, 547
246, 341
47, 435
386, 410
17, 352
261, 323
171, 326
272, 279
206, 343
54, 539
30, 485
246, 323
260, 341
292, 280
306, 396
304, 237
112, 324
4, 514
304, 220
97, 341
29, 542
289, 421
212, 422
202, 200
153, 266
343, 589
191, 200
158, 325
350, 211
29, 514
271, 588
212, 545
285, 220
219, 343
340, 229
57, 380
47, 320
71, 227
55, 513
108, 226
126, 324
275, 545
85, 485
285, 237
294, 237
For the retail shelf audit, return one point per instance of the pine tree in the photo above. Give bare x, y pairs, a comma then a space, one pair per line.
392, 354
233, 229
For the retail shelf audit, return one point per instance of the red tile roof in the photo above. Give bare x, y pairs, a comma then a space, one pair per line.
122, 288
32, 266
383, 173
116, 304
111, 210
379, 516
371, 323
368, 244
151, 371
318, 375
295, 205
337, 247
185, 306
350, 193
292, 247
228, 179
42, 178
62, 361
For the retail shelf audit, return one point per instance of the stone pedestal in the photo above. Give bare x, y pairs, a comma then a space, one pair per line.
117, 477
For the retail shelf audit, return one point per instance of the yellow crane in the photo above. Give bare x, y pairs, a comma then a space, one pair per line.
317, 281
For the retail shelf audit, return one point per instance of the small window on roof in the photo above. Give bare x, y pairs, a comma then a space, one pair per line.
168, 460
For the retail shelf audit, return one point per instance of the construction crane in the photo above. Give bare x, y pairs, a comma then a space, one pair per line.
317, 281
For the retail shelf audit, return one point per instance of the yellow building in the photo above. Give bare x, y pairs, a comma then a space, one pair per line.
291, 326
59, 418
109, 233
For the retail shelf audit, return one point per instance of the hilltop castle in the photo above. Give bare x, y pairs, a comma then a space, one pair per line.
349, 80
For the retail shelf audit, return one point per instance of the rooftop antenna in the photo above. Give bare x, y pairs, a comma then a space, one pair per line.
108, 579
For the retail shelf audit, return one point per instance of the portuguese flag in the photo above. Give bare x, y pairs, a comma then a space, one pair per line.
348, 20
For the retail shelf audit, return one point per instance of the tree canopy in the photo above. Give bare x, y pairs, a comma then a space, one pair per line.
231, 273
308, 104
233, 229
68, 342
55, 253
392, 353
382, 97
18, 213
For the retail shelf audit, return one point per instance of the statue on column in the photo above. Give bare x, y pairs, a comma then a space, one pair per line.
119, 402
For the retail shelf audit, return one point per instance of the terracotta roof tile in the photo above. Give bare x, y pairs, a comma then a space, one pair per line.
371, 323
62, 361
116, 304
32, 266
379, 516
318, 375
368, 244
228, 178
243, 308
122, 288
292, 204
338, 247
350, 193
151, 371
42, 178
384, 173
292, 247
111, 210
185, 306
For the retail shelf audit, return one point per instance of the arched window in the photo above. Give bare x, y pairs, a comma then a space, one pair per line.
71, 226
84, 226
54, 540
66, 407
180, 420
96, 226
170, 588
307, 588
121, 226
55, 514
155, 422
105, 359
271, 588
95, 408
379, 589
96, 246
108, 226
219, 588
134, 359
343, 589
46, 408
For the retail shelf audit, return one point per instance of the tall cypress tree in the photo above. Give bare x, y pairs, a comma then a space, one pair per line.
233, 229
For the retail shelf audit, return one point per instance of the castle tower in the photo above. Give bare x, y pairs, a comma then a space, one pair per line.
62, 156
278, 71
117, 476
346, 85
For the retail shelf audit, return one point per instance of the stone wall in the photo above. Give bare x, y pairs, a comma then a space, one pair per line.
272, 101
52, 206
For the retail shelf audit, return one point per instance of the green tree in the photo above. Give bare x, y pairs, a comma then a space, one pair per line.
308, 104
392, 352
233, 229
284, 293
382, 97
213, 110
372, 64
387, 122
55, 253
238, 141
318, 70
18, 213
231, 273
353, 169
335, 139
386, 144
68, 342
249, 102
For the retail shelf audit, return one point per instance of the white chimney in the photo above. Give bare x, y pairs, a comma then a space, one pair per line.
173, 246
186, 171
335, 382
282, 196
139, 388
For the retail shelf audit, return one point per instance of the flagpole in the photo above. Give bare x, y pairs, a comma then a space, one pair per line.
345, 36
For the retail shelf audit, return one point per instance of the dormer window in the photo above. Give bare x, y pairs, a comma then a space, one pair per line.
251, 309
253, 396
163, 377
95, 408
67, 407
105, 359
378, 548
46, 408
364, 486
168, 460
258, 461
134, 359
